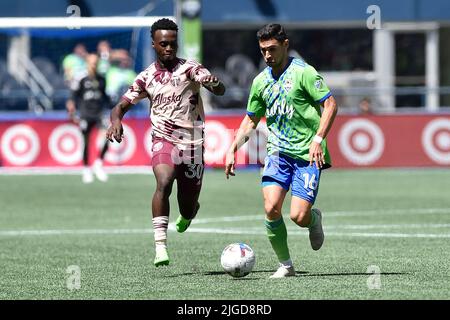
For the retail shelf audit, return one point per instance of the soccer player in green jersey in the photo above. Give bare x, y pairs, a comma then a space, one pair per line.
290, 93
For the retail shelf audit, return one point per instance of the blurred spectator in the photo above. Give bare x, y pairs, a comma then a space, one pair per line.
104, 54
89, 99
365, 107
120, 75
74, 65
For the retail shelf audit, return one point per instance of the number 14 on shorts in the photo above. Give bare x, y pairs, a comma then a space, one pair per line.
310, 181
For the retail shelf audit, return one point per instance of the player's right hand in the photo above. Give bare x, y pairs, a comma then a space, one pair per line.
73, 117
210, 81
229, 165
115, 131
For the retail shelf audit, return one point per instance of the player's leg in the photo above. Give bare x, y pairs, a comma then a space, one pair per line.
305, 187
86, 129
165, 176
275, 182
189, 183
164, 171
276, 229
98, 163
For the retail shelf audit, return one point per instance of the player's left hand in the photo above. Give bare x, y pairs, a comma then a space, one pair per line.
115, 131
74, 118
316, 155
229, 165
210, 81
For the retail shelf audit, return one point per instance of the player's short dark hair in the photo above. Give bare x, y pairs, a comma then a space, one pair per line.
272, 31
163, 24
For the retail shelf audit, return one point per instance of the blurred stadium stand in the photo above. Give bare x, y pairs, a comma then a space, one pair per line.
391, 67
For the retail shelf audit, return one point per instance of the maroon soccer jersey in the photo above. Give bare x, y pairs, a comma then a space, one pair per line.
177, 113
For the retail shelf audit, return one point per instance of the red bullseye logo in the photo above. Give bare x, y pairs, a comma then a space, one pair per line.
436, 140
361, 141
20, 145
119, 153
217, 142
65, 144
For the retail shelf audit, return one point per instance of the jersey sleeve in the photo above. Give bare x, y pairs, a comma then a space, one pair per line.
136, 92
67, 62
75, 89
196, 72
255, 104
313, 83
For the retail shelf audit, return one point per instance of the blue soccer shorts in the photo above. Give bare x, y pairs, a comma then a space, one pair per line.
285, 172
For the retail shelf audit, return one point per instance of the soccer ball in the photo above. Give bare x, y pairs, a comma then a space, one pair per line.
238, 259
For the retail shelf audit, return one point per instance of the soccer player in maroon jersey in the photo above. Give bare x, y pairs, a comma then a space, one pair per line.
173, 86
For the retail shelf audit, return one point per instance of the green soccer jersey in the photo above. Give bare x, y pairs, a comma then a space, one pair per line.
291, 105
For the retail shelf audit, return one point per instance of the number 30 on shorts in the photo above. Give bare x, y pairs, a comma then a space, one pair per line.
194, 171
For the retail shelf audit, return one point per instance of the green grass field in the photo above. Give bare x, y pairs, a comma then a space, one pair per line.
397, 220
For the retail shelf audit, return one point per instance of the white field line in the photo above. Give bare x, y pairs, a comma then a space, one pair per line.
336, 234
384, 212
390, 235
248, 231
260, 231
359, 227
390, 226
13, 171
375, 213
15, 233
57, 232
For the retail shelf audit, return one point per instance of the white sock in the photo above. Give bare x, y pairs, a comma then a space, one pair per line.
160, 231
286, 264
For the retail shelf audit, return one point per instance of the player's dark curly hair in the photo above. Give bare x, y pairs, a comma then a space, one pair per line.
272, 31
163, 24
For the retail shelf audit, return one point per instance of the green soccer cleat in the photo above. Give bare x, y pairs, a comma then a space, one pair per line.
182, 224
161, 258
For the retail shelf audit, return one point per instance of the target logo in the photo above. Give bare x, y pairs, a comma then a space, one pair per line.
119, 153
66, 144
20, 145
217, 142
361, 141
436, 140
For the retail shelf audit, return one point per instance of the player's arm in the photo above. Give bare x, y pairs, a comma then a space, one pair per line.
313, 83
115, 130
70, 103
248, 125
326, 121
135, 93
70, 106
199, 73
